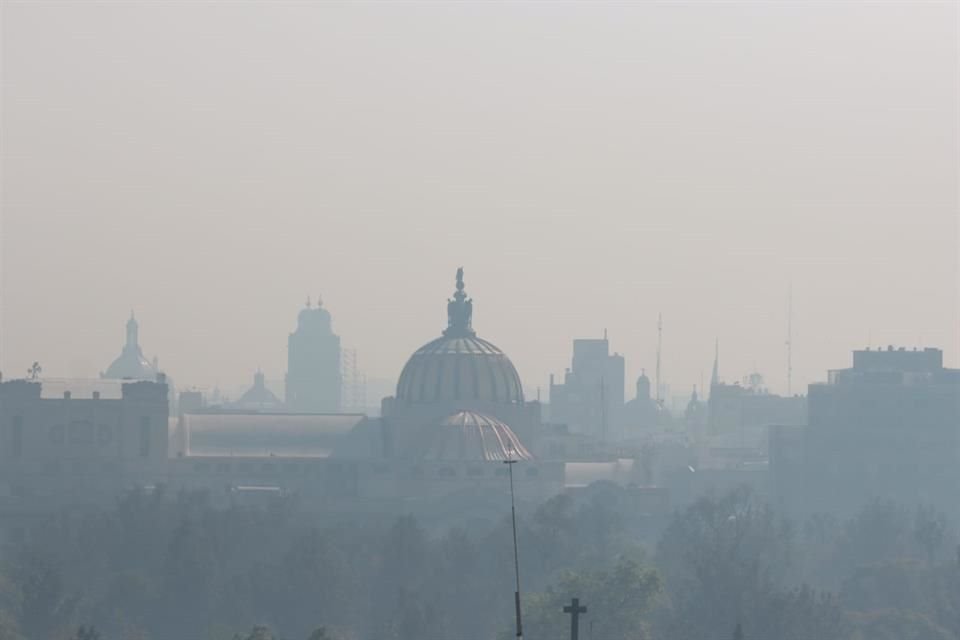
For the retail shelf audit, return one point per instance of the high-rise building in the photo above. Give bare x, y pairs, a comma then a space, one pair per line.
313, 364
887, 427
590, 399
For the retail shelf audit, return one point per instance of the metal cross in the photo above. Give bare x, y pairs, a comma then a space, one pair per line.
574, 609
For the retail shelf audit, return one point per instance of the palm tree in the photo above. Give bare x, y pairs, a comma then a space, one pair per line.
34, 371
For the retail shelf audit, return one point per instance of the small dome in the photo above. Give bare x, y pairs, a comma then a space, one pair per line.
258, 396
470, 436
643, 386
131, 364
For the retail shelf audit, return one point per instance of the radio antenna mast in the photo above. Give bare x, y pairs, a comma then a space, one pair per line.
790, 339
659, 346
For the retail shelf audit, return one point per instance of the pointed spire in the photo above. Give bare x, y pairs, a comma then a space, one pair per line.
133, 329
459, 312
715, 376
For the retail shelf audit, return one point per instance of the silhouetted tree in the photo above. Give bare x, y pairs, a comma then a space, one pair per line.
86, 633
618, 600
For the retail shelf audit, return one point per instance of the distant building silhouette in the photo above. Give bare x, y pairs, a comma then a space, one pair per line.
313, 382
888, 427
73, 449
258, 397
731, 408
642, 412
131, 363
590, 399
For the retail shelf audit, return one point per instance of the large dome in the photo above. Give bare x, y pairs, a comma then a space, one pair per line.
464, 369
459, 367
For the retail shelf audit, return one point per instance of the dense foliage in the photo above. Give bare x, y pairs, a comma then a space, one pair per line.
161, 566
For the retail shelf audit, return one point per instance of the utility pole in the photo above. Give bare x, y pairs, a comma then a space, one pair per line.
574, 609
516, 556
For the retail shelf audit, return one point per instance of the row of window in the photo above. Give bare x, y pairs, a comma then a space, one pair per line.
79, 433
263, 468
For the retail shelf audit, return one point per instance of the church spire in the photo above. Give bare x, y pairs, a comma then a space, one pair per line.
459, 312
133, 330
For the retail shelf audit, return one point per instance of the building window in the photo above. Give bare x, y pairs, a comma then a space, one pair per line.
145, 437
474, 472
57, 434
533, 472
446, 472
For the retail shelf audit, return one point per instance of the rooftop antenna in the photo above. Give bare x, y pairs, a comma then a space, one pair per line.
510, 461
790, 339
659, 346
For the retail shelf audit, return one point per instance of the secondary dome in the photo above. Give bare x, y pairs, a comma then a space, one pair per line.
131, 364
459, 366
470, 436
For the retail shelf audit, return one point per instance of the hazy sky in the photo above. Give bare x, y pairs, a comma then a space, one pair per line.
590, 165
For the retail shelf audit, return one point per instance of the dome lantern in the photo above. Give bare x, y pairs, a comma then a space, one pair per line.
459, 312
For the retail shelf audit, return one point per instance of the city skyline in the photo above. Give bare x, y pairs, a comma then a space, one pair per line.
275, 375
589, 169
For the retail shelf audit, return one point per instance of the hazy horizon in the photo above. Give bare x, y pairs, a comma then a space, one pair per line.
210, 166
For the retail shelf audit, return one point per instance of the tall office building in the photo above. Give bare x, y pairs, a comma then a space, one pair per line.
590, 399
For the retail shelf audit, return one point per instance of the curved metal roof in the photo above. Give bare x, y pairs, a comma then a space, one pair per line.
459, 369
471, 436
